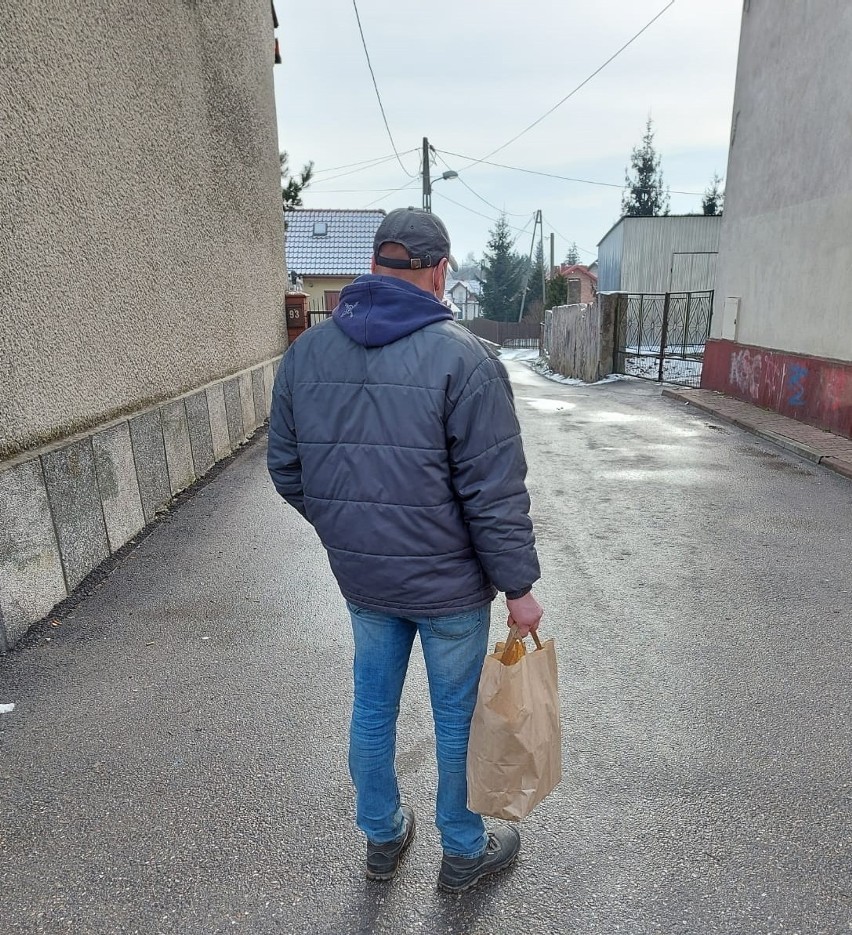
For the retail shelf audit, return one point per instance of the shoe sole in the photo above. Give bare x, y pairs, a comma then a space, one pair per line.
390, 874
463, 887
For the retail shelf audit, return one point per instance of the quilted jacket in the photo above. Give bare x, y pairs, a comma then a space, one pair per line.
393, 432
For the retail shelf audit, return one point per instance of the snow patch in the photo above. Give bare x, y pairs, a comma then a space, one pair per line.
541, 367
547, 405
518, 353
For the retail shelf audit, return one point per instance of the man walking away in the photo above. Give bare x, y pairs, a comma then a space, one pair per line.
393, 432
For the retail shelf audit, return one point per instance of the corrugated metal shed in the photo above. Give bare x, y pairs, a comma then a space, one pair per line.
330, 242
660, 254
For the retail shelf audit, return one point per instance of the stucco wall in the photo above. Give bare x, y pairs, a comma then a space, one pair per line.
788, 198
317, 286
141, 237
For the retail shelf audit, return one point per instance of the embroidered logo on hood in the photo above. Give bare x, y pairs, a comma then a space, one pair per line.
378, 310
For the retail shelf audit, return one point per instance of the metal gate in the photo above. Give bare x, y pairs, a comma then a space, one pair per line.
661, 336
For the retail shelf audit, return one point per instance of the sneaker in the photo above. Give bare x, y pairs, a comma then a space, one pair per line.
461, 873
383, 859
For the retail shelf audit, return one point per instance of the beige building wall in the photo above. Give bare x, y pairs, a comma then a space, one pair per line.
788, 200
141, 236
317, 286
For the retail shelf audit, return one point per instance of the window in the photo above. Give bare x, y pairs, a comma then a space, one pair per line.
320, 229
573, 291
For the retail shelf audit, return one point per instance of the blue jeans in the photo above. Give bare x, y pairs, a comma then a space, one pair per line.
454, 648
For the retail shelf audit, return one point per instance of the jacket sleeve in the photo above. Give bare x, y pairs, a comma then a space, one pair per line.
488, 471
282, 458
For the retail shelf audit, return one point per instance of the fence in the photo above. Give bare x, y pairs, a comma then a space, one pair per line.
661, 336
578, 339
572, 339
317, 311
507, 333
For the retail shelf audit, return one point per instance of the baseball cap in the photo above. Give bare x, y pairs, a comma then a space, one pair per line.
423, 235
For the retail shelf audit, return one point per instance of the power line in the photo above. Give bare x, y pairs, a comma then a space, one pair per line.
341, 175
378, 96
553, 175
570, 242
392, 191
476, 194
362, 168
358, 191
582, 84
363, 162
458, 204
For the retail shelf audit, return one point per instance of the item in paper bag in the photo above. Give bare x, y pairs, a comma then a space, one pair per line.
516, 652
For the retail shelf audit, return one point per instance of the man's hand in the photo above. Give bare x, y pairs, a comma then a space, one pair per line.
525, 613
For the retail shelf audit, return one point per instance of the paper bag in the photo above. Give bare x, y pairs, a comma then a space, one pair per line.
514, 756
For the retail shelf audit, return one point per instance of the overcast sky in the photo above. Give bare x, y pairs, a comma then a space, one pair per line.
471, 74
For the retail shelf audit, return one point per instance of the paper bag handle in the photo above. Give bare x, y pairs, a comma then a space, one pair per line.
513, 638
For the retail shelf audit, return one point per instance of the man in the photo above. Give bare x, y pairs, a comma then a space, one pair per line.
393, 432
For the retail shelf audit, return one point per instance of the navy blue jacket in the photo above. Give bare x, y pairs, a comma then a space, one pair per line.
393, 431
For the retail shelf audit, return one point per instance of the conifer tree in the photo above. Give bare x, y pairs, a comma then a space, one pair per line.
714, 197
504, 275
644, 195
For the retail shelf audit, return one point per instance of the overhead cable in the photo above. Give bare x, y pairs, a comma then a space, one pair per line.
363, 162
475, 193
582, 84
553, 175
378, 96
341, 175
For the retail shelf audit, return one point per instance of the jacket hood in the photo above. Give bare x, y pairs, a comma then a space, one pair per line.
378, 310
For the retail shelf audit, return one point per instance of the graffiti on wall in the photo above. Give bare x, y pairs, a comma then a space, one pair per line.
746, 371
796, 385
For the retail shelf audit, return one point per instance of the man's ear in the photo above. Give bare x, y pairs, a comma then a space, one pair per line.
373, 264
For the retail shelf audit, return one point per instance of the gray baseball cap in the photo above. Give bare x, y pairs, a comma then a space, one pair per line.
423, 235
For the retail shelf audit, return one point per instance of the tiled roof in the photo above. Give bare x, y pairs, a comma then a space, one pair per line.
571, 269
346, 248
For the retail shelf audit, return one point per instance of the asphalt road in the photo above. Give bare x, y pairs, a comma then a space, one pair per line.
176, 761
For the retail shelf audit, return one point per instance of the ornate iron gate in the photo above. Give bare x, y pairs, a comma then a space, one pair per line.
661, 336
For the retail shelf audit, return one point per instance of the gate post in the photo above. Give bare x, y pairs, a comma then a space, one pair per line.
664, 335
297, 315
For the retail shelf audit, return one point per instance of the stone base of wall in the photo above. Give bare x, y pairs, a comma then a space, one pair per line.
65, 508
816, 390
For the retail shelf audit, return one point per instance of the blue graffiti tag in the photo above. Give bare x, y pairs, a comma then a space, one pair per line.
796, 385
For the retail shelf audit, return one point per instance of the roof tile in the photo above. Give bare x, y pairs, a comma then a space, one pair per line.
346, 248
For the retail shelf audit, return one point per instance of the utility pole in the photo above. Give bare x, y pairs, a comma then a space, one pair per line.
552, 253
536, 223
427, 182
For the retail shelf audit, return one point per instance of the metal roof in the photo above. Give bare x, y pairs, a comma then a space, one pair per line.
344, 249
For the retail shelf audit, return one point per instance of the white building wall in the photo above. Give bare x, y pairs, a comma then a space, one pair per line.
786, 247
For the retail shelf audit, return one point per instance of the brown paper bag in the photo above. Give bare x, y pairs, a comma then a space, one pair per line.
514, 756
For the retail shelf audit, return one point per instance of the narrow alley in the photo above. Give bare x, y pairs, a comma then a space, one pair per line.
176, 758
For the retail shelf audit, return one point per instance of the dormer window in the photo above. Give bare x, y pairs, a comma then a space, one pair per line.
320, 228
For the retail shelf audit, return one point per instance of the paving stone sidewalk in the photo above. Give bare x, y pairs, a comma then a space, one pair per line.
808, 441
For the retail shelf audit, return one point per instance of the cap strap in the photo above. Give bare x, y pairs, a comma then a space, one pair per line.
413, 263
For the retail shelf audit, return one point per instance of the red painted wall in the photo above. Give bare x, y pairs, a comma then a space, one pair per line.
812, 389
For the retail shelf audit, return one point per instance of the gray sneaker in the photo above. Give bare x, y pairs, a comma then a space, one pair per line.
383, 859
461, 873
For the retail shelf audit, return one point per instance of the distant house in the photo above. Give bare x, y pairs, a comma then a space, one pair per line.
465, 294
327, 248
582, 283
660, 254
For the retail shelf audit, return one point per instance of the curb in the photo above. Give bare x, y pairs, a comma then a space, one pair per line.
808, 452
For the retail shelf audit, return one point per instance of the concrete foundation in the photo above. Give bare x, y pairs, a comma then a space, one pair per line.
67, 507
